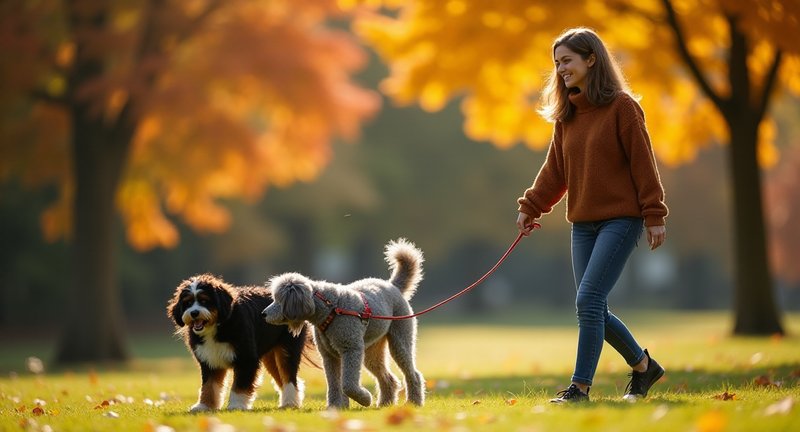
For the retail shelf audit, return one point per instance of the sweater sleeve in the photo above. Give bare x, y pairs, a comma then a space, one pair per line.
550, 184
644, 171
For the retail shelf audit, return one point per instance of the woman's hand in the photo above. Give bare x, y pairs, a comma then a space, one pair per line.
525, 223
656, 235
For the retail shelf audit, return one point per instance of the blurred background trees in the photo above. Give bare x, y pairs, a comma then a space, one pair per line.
142, 107
215, 133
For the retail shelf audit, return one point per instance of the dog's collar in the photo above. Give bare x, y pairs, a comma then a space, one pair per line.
364, 316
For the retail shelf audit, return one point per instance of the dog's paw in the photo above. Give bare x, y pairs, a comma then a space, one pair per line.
361, 395
240, 401
199, 407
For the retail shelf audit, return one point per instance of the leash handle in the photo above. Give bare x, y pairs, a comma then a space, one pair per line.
514, 244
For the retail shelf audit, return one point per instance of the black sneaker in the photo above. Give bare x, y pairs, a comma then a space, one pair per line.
642, 381
571, 394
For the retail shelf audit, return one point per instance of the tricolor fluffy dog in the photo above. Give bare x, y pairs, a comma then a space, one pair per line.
222, 327
345, 341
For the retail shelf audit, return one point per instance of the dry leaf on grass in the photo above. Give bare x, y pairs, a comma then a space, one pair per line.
725, 396
398, 416
764, 381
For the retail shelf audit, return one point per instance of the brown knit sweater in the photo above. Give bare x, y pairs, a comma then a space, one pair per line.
602, 159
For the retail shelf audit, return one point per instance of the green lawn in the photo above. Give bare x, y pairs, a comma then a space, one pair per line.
492, 374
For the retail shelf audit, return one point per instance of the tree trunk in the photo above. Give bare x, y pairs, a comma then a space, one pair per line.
755, 309
94, 326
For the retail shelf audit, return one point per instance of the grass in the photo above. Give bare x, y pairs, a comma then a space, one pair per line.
492, 374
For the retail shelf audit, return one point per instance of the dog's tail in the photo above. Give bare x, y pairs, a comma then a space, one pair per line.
405, 262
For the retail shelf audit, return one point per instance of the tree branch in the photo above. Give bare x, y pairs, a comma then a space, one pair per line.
769, 83
683, 50
738, 73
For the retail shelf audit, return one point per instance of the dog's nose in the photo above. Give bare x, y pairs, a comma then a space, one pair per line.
195, 313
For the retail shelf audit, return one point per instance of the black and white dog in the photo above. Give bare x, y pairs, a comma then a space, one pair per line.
222, 326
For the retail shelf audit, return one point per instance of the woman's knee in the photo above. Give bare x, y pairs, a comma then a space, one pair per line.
590, 307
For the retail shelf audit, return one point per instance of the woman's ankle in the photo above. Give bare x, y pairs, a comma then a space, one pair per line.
642, 365
584, 388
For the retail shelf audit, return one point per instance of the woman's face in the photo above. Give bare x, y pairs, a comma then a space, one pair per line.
571, 67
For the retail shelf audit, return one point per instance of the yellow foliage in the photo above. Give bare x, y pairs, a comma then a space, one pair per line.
496, 53
768, 154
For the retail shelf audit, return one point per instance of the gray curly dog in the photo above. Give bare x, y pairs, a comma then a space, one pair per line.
345, 342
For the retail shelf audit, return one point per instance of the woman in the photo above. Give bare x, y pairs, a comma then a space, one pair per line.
600, 157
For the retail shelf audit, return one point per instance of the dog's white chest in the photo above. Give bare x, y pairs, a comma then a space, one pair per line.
215, 354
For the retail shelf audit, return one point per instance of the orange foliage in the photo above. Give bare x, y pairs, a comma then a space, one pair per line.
496, 54
233, 96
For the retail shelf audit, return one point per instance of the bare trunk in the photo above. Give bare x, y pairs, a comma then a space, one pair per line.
94, 326
754, 308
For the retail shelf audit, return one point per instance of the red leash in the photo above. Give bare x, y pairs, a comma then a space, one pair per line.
367, 314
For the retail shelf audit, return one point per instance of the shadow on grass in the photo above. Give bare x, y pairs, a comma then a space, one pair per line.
679, 382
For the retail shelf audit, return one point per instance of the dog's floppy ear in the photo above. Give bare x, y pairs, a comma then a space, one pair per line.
174, 310
295, 299
224, 301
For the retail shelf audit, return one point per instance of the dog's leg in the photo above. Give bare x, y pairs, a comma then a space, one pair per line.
402, 339
332, 365
283, 367
270, 362
210, 397
246, 376
376, 362
351, 376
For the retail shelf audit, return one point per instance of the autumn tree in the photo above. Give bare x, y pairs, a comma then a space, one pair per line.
707, 73
155, 110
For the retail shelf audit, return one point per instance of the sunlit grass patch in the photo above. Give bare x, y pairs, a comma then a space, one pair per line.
494, 376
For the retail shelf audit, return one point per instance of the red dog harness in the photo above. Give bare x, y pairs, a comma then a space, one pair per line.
364, 316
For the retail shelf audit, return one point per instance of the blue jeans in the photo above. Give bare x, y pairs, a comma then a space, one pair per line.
599, 252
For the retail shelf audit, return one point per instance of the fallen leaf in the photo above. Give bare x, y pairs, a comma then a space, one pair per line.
111, 414
476, 402
37, 411
511, 402
784, 406
764, 381
398, 416
353, 425
725, 396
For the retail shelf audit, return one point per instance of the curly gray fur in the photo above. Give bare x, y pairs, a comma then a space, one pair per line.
347, 343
